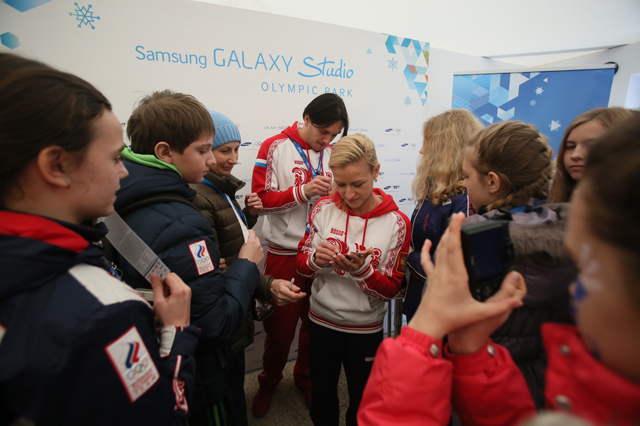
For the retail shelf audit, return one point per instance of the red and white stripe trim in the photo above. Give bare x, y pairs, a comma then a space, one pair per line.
355, 329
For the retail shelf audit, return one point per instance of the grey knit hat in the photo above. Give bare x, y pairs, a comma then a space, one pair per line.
226, 130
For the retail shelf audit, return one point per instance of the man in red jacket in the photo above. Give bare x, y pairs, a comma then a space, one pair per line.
291, 173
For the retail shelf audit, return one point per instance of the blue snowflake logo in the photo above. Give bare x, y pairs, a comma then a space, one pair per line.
85, 16
393, 64
407, 101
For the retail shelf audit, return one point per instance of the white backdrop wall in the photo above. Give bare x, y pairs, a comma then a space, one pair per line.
259, 69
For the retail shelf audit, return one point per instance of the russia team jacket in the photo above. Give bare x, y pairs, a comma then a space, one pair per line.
78, 346
278, 178
184, 240
412, 384
354, 302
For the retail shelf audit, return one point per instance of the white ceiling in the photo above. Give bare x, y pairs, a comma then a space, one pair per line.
490, 28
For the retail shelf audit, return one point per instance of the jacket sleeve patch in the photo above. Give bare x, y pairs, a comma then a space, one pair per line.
132, 362
201, 257
401, 262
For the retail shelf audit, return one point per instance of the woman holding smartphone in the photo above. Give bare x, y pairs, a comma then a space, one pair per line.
354, 249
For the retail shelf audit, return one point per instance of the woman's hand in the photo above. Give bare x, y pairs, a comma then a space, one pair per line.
352, 261
171, 300
253, 204
447, 304
285, 292
324, 254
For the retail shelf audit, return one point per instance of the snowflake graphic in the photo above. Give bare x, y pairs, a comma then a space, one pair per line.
393, 64
532, 103
407, 101
539, 91
84, 15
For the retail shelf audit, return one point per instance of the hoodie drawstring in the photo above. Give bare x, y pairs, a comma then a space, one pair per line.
364, 233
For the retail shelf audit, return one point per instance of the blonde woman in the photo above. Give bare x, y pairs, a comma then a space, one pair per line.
354, 250
574, 148
438, 187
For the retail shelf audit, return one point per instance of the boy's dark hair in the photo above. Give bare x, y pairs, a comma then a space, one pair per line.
325, 110
40, 107
171, 117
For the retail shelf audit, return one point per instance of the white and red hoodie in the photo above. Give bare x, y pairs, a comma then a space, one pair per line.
354, 302
278, 178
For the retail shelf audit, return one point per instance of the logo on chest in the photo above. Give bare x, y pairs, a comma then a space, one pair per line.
338, 232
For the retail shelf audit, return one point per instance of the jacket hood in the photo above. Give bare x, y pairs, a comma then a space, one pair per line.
35, 250
292, 132
147, 160
144, 181
537, 235
387, 205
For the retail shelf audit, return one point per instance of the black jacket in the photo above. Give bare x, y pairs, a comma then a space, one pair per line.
184, 240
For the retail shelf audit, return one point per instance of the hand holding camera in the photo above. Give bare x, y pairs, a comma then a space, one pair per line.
448, 304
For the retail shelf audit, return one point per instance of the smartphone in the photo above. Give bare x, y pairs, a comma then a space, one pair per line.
488, 255
353, 253
146, 293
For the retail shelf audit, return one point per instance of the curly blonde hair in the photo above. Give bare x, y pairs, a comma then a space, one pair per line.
439, 174
521, 158
563, 184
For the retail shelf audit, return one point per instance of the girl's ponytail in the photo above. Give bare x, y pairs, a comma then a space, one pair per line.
521, 158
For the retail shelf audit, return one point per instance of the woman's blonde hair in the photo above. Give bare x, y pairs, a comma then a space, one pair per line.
351, 149
521, 158
563, 184
439, 175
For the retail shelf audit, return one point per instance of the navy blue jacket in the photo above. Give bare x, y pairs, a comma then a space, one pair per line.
428, 222
78, 346
176, 232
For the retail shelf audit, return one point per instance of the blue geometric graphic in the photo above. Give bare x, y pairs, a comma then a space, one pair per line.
24, 5
85, 16
545, 99
416, 56
393, 64
10, 40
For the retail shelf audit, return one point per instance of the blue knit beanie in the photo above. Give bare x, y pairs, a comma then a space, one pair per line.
226, 130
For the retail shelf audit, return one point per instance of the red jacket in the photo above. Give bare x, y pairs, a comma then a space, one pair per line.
409, 385
279, 176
